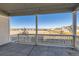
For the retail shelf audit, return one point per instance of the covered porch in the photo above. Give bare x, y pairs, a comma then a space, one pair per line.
15, 49
37, 44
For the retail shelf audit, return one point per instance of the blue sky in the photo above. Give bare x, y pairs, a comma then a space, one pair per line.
44, 20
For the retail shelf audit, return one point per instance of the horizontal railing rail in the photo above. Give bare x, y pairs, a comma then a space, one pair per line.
48, 34
58, 39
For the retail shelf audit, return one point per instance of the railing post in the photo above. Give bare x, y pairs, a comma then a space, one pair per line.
36, 30
74, 25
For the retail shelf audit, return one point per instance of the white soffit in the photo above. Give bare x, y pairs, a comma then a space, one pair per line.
16, 9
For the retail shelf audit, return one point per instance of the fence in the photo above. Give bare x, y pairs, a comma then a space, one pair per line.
46, 39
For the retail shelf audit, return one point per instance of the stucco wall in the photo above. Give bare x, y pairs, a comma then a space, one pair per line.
4, 28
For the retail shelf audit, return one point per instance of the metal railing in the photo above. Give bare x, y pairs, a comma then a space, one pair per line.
49, 39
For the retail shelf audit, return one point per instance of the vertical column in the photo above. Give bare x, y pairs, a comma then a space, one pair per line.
36, 30
4, 28
74, 27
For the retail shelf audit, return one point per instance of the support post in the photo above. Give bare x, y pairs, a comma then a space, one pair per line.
36, 30
74, 25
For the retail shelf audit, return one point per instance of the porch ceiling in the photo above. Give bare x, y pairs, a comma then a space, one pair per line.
15, 9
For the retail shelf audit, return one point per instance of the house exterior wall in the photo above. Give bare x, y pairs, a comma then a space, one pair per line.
4, 28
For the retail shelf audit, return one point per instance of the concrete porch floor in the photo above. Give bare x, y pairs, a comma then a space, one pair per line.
14, 49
